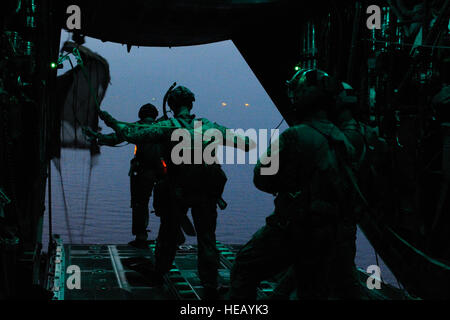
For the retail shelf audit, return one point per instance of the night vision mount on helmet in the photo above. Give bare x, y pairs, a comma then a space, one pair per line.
175, 97
347, 97
180, 96
165, 100
313, 89
310, 81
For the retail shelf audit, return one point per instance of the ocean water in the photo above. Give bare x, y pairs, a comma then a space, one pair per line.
108, 215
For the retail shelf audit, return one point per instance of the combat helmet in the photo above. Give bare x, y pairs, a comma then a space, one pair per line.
148, 111
180, 96
312, 89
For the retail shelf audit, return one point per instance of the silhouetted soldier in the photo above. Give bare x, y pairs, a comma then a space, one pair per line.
188, 185
145, 169
345, 280
311, 196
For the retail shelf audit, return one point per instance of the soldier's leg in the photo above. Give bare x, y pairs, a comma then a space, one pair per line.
205, 219
141, 190
344, 276
313, 273
313, 267
265, 255
286, 286
148, 185
168, 239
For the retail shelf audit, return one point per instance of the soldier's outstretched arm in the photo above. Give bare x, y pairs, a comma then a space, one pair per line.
110, 139
136, 134
238, 141
231, 139
102, 139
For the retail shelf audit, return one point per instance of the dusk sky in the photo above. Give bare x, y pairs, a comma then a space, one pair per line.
216, 73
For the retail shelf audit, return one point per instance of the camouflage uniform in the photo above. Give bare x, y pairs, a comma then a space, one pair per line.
303, 229
143, 175
182, 190
345, 280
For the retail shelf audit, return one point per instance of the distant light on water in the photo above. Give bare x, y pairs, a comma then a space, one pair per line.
247, 105
224, 104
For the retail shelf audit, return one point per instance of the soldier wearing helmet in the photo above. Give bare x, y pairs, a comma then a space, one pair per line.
180, 97
365, 167
145, 169
311, 194
188, 186
344, 283
310, 90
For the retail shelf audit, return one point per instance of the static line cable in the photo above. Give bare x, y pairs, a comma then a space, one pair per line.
276, 128
378, 264
166, 96
50, 224
86, 202
66, 210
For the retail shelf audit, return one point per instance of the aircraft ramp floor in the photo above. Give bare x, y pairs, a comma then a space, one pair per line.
120, 272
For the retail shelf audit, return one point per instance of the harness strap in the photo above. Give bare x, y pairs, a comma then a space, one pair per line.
176, 122
347, 169
184, 123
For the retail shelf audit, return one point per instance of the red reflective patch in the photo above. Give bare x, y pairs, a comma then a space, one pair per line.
164, 164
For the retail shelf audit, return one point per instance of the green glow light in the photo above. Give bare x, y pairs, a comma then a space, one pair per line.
297, 68
53, 65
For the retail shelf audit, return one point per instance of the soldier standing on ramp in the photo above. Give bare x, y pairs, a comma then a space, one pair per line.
145, 169
188, 185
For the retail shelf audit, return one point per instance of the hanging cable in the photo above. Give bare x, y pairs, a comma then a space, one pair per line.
86, 202
405, 294
50, 223
66, 210
378, 264
276, 128
76, 123
83, 227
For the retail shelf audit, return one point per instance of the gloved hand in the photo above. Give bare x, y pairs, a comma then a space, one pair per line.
110, 121
118, 127
90, 134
